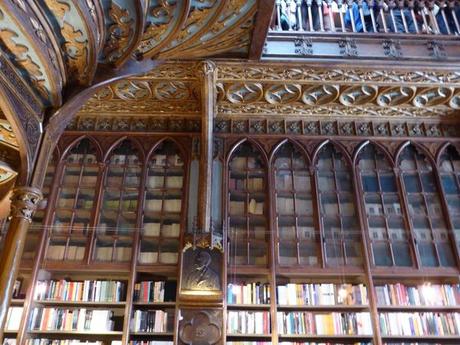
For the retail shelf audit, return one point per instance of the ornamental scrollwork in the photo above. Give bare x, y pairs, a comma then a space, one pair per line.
119, 33
433, 96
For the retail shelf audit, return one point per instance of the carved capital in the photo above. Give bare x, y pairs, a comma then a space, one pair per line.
24, 202
205, 68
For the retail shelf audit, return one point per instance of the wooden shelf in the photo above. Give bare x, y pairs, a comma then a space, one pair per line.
78, 333
17, 302
417, 308
81, 304
248, 306
324, 307
330, 336
152, 334
154, 304
249, 336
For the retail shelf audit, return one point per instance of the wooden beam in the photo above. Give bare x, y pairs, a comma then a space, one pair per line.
263, 20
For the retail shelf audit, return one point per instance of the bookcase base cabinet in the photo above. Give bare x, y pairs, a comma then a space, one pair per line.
200, 326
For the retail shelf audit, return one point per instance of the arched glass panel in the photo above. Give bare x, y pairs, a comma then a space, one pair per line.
247, 211
75, 203
450, 177
163, 206
118, 214
425, 212
298, 240
338, 217
386, 224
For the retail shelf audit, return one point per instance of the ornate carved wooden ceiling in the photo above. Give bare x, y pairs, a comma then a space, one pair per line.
57, 44
287, 91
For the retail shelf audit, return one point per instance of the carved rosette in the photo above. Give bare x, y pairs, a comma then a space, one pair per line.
24, 202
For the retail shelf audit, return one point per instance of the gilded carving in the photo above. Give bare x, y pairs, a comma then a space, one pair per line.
284, 93
172, 91
24, 202
245, 92
433, 96
320, 94
200, 326
357, 95
132, 90
119, 33
76, 49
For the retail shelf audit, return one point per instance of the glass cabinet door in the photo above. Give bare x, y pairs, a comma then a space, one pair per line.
298, 238
118, 213
247, 209
338, 217
449, 171
385, 219
425, 212
75, 203
163, 206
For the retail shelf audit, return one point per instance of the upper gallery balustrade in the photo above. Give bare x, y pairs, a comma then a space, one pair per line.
382, 29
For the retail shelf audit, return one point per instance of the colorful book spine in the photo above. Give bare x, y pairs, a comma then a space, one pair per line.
251, 293
248, 322
419, 324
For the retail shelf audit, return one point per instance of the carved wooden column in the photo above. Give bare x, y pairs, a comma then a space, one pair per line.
24, 202
201, 283
206, 71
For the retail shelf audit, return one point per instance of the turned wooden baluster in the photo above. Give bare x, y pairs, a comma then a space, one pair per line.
278, 13
299, 15
433, 22
319, 3
442, 6
411, 5
381, 4
403, 16
342, 22
310, 18
331, 14
451, 5
371, 5
392, 5
423, 11
352, 17
361, 14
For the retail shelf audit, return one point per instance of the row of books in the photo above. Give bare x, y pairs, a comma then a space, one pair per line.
253, 184
57, 319
165, 181
254, 207
242, 163
321, 294
324, 343
81, 291
148, 257
167, 230
108, 253
67, 342
421, 295
57, 252
324, 323
155, 291
248, 322
167, 205
157, 321
419, 324
13, 318
251, 293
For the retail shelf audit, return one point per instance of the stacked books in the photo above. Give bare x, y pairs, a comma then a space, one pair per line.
248, 322
157, 321
81, 291
155, 291
67, 342
151, 342
321, 294
419, 324
13, 318
57, 319
324, 323
422, 295
251, 293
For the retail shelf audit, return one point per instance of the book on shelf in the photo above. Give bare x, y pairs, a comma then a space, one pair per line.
13, 318
17, 289
58, 319
248, 322
250, 293
80, 291
421, 295
57, 252
155, 291
168, 258
419, 324
146, 258
321, 294
172, 205
256, 207
324, 323
69, 342
248, 342
338, 343
119, 253
157, 321
152, 229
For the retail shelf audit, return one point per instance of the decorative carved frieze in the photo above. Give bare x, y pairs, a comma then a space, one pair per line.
331, 127
134, 124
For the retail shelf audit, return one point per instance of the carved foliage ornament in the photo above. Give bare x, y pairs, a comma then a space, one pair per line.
24, 202
119, 33
200, 327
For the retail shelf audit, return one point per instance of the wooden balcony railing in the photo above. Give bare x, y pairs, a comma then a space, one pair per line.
400, 27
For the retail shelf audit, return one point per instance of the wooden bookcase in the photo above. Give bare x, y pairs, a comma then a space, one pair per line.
313, 230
